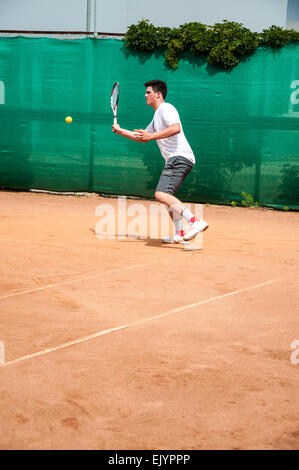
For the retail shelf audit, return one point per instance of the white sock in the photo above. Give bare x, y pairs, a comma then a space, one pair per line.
179, 227
188, 215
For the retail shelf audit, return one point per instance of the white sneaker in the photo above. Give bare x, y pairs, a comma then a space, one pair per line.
195, 228
175, 239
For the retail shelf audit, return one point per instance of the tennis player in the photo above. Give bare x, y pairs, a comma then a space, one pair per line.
166, 129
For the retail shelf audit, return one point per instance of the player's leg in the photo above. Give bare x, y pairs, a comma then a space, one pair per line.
178, 227
164, 194
174, 173
171, 201
179, 211
175, 216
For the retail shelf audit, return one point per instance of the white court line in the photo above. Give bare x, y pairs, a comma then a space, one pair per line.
70, 281
140, 322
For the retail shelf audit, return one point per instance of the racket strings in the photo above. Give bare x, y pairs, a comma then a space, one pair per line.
114, 97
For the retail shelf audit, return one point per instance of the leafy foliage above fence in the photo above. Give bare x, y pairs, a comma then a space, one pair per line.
223, 44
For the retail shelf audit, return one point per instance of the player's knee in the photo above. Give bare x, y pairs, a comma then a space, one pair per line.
159, 196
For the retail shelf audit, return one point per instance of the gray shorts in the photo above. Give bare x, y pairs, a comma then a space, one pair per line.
175, 171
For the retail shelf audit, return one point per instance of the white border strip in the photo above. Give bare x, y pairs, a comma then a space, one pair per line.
140, 322
79, 278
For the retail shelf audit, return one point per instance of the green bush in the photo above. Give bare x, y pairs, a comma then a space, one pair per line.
142, 36
277, 37
223, 44
248, 200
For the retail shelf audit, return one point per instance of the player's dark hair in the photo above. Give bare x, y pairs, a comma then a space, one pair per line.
158, 85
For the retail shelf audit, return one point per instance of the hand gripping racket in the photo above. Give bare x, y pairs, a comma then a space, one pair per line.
114, 100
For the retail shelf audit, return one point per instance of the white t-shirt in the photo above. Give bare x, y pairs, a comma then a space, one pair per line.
176, 145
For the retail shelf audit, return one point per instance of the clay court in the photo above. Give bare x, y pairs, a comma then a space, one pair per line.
133, 344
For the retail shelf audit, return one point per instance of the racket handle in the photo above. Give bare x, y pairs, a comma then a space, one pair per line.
115, 120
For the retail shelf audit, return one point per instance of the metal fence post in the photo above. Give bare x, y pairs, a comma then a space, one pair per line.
91, 16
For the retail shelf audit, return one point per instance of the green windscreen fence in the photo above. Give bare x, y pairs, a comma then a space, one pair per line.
243, 125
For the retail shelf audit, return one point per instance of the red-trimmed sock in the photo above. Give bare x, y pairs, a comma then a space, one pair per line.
188, 216
179, 227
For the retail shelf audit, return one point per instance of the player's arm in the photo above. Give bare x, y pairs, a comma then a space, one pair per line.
145, 136
126, 133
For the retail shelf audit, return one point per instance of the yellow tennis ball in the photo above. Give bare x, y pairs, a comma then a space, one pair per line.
68, 119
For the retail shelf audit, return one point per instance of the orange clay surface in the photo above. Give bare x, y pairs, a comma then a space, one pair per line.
192, 367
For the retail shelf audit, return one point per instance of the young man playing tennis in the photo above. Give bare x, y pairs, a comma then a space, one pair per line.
166, 129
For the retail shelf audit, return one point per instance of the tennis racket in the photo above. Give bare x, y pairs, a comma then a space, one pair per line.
114, 100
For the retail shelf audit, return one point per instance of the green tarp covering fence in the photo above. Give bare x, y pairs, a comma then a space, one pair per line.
243, 125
